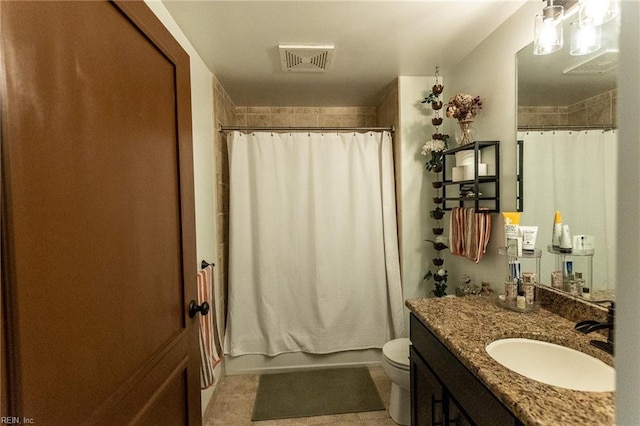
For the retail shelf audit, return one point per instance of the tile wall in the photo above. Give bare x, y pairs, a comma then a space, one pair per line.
224, 114
388, 114
306, 116
597, 111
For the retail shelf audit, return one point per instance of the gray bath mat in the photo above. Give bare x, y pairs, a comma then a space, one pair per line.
315, 393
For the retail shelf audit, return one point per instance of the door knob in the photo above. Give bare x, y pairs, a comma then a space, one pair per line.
194, 308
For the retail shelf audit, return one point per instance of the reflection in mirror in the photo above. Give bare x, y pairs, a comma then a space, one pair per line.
566, 120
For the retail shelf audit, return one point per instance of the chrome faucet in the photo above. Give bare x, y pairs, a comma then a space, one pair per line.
590, 326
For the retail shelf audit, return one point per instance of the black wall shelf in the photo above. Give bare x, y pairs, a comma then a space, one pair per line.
482, 191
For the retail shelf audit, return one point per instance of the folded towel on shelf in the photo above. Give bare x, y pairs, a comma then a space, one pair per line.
469, 233
210, 327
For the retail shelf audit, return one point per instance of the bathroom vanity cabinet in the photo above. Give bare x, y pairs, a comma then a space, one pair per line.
455, 381
444, 391
476, 190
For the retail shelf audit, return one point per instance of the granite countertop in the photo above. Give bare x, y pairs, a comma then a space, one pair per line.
465, 325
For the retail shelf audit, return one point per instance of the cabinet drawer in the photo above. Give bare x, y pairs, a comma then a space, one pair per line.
472, 396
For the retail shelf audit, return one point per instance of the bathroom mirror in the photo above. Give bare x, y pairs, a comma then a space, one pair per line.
566, 120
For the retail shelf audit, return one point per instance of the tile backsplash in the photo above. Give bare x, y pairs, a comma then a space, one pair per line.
570, 307
596, 111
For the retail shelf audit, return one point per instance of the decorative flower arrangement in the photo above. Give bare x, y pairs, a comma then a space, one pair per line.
464, 107
434, 149
440, 279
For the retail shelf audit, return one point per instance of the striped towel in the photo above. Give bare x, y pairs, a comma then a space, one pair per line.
210, 336
469, 233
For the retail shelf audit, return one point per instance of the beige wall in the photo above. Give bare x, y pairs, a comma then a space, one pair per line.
490, 72
416, 191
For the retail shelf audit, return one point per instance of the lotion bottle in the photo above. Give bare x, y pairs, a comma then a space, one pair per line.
557, 230
566, 245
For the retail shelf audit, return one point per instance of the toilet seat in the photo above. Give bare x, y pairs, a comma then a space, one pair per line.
396, 353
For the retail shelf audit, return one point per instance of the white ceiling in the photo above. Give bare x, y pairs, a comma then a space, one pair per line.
375, 41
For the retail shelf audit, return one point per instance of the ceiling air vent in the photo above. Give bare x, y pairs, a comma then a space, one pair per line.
305, 58
600, 63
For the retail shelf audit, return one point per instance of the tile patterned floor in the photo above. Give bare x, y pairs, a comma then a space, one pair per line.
232, 405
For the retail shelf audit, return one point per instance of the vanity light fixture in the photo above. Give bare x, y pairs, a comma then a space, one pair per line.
585, 38
548, 29
597, 12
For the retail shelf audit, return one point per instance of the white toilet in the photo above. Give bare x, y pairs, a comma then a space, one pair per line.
395, 361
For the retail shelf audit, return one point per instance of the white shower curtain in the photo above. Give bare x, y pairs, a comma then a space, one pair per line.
573, 172
313, 262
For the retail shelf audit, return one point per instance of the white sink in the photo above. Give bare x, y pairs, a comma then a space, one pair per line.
553, 364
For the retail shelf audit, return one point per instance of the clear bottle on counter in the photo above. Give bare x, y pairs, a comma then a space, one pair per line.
529, 293
582, 285
571, 285
521, 301
510, 290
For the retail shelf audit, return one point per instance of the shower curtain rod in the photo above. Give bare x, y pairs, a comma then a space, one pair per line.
222, 129
564, 127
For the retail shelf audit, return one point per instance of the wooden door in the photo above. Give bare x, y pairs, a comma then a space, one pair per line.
98, 233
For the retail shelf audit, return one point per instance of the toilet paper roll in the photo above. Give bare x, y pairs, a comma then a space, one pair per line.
468, 172
457, 173
465, 158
